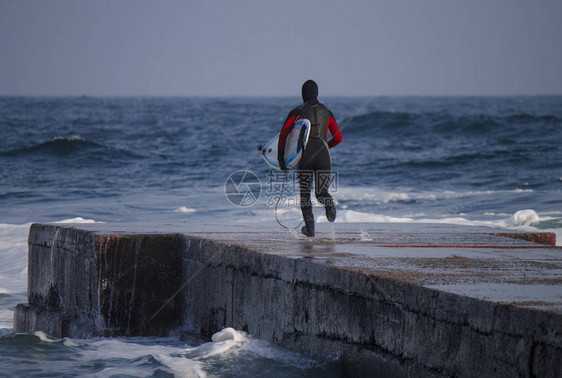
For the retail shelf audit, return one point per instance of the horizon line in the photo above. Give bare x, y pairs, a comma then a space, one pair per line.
277, 96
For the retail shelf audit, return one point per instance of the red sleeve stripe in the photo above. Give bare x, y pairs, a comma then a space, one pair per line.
336, 134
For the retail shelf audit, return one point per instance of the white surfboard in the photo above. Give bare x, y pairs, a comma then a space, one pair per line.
296, 142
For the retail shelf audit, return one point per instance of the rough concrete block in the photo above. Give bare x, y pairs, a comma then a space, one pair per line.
378, 313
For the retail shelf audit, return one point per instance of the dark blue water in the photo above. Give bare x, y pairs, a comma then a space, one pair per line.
117, 159
493, 161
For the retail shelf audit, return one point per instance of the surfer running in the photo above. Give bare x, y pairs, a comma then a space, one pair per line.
316, 161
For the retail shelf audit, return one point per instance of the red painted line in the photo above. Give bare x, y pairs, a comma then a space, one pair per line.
464, 246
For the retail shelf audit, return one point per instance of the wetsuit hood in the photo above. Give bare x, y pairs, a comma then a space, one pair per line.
309, 91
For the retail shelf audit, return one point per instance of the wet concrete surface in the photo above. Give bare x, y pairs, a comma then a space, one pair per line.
479, 262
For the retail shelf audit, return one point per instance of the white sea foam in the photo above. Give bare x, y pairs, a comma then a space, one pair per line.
49, 339
122, 349
5, 317
185, 210
231, 342
228, 334
378, 195
180, 366
353, 198
133, 356
130, 371
13, 269
46, 338
208, 350
13, 251
522, 220
382, 196
127, 357
77, 220
221, 342
524, 217
70, 343
136, 355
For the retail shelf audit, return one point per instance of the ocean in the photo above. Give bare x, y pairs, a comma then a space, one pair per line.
483, 161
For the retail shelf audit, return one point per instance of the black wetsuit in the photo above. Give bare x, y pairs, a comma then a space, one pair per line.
316, 161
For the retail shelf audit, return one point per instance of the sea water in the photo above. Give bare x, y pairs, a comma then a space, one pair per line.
486, 161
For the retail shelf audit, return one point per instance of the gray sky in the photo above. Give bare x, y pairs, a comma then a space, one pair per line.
270, 47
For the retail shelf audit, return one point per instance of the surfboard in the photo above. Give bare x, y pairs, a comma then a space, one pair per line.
296, 142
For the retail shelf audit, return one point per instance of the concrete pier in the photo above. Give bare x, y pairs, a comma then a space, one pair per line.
386, 299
